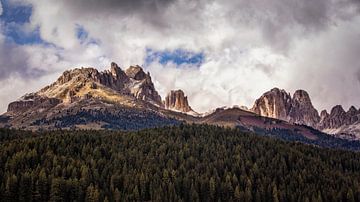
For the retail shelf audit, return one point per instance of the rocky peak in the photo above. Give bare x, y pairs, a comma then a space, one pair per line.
335, 119
324, 114
136, 72
115, 70
352, 110
176, 100
141, 85
302, 96
275, 103
302, 110
74, 84
279, 104
338, 119
337, 110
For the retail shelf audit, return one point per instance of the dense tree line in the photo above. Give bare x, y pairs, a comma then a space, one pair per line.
322, 140
123, 119
179, 163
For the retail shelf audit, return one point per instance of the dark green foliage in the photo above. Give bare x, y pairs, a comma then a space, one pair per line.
323, 140
184, 163
123, 119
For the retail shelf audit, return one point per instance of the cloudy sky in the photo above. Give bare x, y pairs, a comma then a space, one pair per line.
220, 52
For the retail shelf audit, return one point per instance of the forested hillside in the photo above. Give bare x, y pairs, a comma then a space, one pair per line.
179, 163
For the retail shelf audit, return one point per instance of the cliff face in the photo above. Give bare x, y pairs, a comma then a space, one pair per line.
176, 100
302, 110
141, 85
280, 105
299, 109
31, 100
338, 117
274, 104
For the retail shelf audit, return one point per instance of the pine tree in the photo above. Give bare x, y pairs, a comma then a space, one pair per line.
117, 195
350, 196
212, 188
11, 189
275, 193
237, 194
25, 187
57, 190
92, 194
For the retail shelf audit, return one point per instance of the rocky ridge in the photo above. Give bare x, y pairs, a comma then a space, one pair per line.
280, 105
90, 98
84, 82
298, 109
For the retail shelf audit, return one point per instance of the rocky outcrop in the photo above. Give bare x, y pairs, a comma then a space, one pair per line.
176, 100
274, 104
339, 118
30, 101
302, 110
141, 85
299, 109
134, 82
136, 72
280, 105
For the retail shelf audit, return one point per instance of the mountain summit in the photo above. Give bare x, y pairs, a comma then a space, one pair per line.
280, 105
88, 98
176, 100
298, 109
109, 85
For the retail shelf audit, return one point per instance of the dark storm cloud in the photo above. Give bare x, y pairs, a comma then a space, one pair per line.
148, 10
283, 20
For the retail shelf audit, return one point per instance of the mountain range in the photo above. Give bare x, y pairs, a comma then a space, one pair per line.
85, 98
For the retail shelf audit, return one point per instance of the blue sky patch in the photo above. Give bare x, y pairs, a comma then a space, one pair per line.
12, 13
17, 35
13, 18
83, 36
177, 56
81, 33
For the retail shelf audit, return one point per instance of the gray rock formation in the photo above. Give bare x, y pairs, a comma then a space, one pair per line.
339, 118
275, 104
176, 100
299, 109
280, 105
302, 110
133, 82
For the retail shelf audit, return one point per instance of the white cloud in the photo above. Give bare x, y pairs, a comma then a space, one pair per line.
250, 46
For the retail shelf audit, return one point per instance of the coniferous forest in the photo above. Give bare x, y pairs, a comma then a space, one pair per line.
178, 163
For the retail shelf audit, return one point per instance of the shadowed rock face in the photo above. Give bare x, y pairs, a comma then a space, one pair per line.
299, 109
136, 72
280, 105
31, 100
338, 118
302, 111
176, 100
